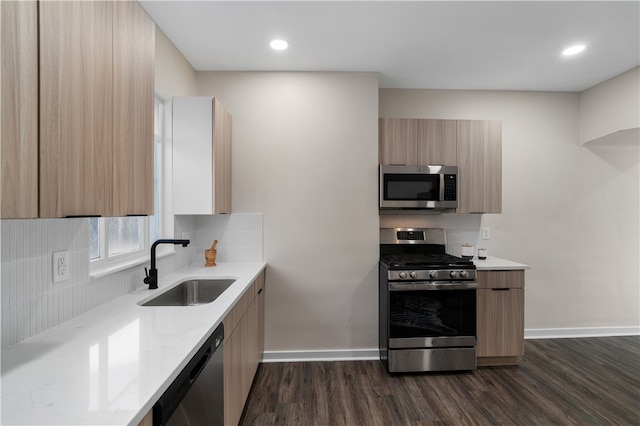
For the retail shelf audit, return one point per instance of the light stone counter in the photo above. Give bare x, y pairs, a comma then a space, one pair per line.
495, 263
110, 365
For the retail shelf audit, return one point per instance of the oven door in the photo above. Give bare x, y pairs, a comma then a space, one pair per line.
432, 315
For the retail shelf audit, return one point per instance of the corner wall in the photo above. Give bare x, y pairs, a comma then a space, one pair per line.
611, 109
305, 154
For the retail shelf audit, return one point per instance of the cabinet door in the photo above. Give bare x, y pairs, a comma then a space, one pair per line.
201, 156
500, 325
19, 146
133, 99
221, 158
233, 403
501, 279
398, 141
436, 142
76, 108
240, 364
260, 296
243, 349
479, 166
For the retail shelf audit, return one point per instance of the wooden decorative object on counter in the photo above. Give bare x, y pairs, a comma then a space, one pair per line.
210, 255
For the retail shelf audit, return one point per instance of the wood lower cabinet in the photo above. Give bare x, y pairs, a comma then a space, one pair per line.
147, 420
19, 130
243, 347
500, 317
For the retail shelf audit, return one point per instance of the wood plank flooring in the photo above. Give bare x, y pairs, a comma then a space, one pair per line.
590, 381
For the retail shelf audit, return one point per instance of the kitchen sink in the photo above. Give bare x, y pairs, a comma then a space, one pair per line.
192, 293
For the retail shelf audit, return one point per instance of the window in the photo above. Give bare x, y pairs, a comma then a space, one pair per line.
117, 241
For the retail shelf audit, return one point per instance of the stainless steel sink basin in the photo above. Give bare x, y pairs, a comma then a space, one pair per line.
192, 293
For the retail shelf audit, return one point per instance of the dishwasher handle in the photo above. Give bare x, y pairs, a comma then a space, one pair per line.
195, 372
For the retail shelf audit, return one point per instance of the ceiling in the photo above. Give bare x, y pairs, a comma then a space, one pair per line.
503, 45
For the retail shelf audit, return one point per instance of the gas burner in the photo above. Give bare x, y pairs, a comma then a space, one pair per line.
424, 261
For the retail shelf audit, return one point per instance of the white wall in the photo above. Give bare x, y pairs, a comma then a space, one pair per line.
305, 155
173, 74
568, 211
610, 111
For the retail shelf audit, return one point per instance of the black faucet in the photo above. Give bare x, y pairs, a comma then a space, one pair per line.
152, 275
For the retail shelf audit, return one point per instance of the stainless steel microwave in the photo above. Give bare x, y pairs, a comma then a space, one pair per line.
432, 187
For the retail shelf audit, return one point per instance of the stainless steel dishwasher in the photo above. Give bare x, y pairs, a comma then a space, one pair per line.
196, 395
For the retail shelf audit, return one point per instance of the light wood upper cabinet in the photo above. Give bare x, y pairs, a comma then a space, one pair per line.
500, 317
201, 156
479, 166
436, 142
410, 141
398, 141
475, 146
133, 92
76, 108
19, 121
77, 78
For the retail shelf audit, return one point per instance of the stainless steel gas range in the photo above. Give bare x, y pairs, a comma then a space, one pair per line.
427, 303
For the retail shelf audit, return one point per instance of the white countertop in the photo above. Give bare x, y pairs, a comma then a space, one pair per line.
495, 263
109, 365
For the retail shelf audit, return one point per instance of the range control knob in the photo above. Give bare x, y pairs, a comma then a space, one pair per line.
402, 274
433, 274
453, 274
412, 274
463, 274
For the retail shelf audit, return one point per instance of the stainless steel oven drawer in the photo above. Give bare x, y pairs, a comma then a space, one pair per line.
420, 360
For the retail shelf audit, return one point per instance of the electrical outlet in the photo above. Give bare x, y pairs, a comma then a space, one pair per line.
61, 266
486, 234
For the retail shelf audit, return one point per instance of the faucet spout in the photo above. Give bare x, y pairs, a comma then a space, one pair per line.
152, 275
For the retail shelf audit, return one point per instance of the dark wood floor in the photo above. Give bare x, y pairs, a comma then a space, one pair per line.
591, 381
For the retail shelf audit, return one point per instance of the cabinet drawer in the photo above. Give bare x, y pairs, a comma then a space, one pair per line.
501, 279
235, 315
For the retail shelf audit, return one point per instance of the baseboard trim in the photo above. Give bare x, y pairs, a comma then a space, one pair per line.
567, 333
374, 354
329, 355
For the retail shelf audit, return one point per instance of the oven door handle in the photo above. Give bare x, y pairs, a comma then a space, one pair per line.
430, 285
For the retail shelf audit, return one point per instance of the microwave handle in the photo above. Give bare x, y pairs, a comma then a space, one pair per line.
441, 194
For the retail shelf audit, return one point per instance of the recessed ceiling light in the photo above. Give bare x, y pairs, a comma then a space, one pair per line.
279, 44
573, 50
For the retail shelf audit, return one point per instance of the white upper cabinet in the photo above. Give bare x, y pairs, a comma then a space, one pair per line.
201, 156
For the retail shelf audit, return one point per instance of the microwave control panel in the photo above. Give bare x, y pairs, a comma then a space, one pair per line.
450, 187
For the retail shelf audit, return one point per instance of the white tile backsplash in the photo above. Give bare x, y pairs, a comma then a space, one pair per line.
460, 228
32, 303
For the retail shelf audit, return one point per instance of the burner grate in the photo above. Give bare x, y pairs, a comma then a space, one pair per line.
424, 261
